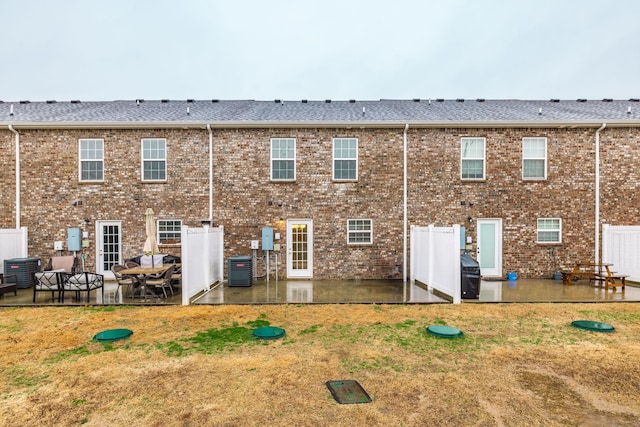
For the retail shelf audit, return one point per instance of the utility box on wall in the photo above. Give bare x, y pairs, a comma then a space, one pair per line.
74, 239
267, 239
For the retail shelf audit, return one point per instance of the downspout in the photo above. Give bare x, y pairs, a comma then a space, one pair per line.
597, 195
404, 214
17, 175
210, 172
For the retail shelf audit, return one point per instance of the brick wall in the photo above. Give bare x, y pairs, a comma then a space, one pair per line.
245, 200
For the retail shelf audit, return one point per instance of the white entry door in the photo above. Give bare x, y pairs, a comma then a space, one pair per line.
299, 248
109, 246
489, 251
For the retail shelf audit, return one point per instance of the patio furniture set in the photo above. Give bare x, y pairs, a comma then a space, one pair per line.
142, 280
61, 276
597, 272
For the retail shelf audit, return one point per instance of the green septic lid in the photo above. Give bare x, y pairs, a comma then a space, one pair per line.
268, 332
113, 335
590, 325
444, 331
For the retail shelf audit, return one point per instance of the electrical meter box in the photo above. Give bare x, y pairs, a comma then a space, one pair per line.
267, 239
74, 239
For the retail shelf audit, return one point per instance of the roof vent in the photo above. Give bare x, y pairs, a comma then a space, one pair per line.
440, 100
304, 101
554, 100
215, 101
480, 99
25, 102
164, 101
277, 101
634, 100
75, 101
416, 99
581, 100
328, 101
629, 110
607, 100
189, 100
352, 101
460, 100
51, 101
139, 101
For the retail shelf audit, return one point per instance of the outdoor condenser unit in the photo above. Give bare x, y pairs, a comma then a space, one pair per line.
240, 270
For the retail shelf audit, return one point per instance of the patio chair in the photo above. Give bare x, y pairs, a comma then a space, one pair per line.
131, 282
49, 281
176, 278
83, 282
67, 263
8, 286
131, 264
163, 281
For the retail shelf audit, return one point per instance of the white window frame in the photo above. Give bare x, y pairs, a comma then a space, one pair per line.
163, 235
352, 231
98, 157
335, 158
544, 159
278, 158
541, 229
469, 158
153, 159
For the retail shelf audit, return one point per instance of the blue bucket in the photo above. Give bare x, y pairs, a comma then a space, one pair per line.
512, 275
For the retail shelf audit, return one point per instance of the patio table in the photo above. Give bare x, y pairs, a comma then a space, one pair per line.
145, 272
594, 271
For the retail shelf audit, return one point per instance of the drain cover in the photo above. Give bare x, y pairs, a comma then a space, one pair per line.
444, 331
590, 325
268, 332
113, 335
348, 391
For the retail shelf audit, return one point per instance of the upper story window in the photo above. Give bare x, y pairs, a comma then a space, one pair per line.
549, 230
91, 153
359, 231
283, 159
345, 159
472, 158
154, 159
169, 231
534, 158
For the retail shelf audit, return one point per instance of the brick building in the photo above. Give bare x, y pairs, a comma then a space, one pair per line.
328, 176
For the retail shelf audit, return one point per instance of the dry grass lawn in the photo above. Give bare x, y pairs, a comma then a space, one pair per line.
517, 365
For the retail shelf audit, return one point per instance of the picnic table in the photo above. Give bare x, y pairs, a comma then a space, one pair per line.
598, 272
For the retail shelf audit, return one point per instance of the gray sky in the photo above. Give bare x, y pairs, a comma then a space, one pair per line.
101, 50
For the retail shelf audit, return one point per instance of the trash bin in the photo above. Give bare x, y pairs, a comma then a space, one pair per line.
240, 270
23, 269
469, 277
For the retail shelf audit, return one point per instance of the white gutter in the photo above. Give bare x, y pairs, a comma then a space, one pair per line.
17, 175
319, 124
210, 172
404, 213
597, 195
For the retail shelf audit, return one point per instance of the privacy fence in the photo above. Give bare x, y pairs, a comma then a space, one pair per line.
13, 243
435, 259
621, 247
202, 260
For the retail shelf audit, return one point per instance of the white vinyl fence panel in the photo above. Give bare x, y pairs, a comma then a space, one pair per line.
621, 247
13, 244
202, 260
435, 258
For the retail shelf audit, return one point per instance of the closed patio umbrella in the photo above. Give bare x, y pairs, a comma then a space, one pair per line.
150, 245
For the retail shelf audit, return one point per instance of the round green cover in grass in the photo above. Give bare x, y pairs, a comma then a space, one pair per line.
113, 335
268, 332
444, 331
590, 325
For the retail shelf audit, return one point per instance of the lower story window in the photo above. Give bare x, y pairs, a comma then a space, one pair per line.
549, 230
359, 232
169, 231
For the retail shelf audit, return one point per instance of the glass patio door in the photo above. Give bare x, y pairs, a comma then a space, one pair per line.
300, 248
489, 250
109, 247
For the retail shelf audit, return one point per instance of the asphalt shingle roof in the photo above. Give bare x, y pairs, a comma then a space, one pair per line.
324, 112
